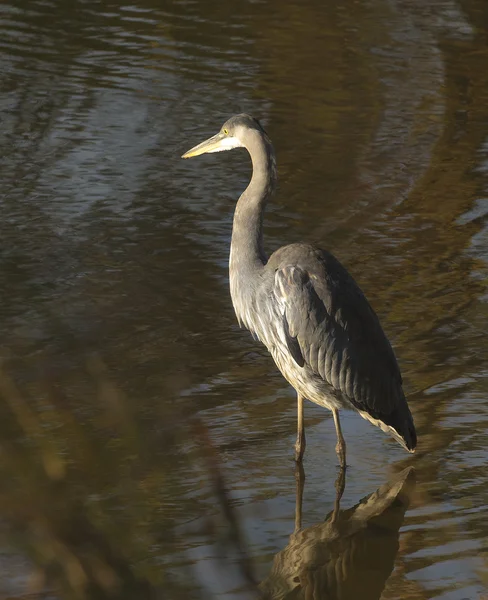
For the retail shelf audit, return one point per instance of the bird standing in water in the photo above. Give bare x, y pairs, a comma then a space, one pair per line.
304, 306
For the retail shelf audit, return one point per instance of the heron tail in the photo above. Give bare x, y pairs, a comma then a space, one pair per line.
399, 424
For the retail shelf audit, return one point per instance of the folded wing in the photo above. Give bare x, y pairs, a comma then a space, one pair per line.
330, 326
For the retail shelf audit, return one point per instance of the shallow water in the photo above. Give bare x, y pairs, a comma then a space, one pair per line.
115, 315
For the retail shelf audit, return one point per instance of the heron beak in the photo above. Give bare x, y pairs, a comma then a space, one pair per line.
214, 144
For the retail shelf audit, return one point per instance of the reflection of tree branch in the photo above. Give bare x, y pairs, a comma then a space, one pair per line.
81, 524
235, 536
85, 548
34, 596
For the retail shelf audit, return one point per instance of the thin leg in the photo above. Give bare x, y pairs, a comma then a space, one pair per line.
341, 444
340, 484
300, 479
300, 443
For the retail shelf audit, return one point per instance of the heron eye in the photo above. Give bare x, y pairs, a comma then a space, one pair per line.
226, 131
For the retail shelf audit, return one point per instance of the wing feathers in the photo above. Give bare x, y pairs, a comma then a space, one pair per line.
293, 345
329, 324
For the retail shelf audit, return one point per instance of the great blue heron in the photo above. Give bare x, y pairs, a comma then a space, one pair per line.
308, 311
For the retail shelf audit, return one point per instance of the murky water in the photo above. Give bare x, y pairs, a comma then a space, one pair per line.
116, 322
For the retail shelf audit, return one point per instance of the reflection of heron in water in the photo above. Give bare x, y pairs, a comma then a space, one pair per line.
306, 308
349, 556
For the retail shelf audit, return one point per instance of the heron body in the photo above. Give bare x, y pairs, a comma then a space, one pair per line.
304, 306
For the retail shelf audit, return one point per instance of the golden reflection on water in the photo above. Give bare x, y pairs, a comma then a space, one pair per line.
116, 320
349, 555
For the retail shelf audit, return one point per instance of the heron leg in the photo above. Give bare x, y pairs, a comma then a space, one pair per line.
300, 443
340, 484
341, 444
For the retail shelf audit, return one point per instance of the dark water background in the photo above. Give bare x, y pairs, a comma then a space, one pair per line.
115, 317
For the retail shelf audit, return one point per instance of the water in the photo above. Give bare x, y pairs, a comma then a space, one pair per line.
116, 320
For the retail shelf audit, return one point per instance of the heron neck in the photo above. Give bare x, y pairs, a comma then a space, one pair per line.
247, 249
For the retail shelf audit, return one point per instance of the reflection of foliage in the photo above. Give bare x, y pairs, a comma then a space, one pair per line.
92, 485
86, 495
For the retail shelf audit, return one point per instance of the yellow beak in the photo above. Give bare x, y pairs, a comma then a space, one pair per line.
213, 144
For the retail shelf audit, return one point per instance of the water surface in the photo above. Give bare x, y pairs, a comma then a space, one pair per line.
116, 319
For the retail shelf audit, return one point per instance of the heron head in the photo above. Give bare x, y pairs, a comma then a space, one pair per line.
233, 134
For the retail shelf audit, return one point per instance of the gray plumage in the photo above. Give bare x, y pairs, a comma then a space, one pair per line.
307, 309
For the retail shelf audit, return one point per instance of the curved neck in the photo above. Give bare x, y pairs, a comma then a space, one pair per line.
247, 250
